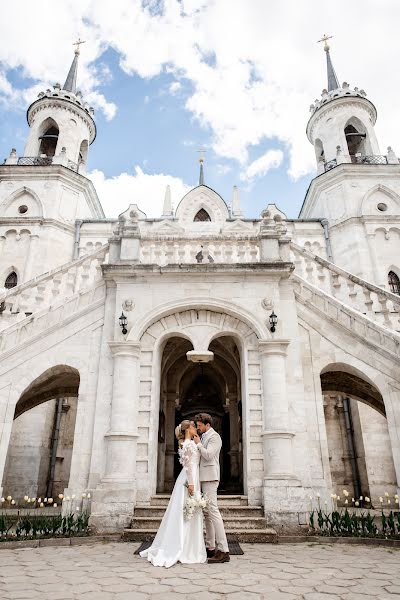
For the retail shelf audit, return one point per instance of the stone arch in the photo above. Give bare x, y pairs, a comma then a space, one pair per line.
23, 196
380, 194
357, 143
48, 136
56, 382
202, 198
355, 431
42, 434
216, 305
7, 272
198, 322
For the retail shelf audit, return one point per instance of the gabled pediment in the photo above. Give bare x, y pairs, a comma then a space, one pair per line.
167, 227
239, 226
202, 198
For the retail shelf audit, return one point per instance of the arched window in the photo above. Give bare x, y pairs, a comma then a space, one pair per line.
49, 139
11, 280
83, 152
394, 283
202, 215
356, 138
319, 150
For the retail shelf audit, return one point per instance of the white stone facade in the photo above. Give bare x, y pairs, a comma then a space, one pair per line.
198, 287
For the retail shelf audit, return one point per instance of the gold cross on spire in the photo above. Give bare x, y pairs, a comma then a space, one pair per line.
325, 39
201, 153
77, 44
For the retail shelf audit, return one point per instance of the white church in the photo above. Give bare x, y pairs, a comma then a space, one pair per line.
285, 330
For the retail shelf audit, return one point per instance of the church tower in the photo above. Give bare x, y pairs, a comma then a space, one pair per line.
357, 189
44, 193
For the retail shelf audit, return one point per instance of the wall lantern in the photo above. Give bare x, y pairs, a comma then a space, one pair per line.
123, 322
273, 319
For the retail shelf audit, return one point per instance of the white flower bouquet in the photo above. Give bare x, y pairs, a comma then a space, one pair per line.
193, 504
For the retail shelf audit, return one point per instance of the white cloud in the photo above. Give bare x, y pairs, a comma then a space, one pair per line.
174, 87
144, 189
272, 159
254, 67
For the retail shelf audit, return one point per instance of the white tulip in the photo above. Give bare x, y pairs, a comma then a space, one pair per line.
387, 495
26, 498
9, 498
2, 499
55, 504
83, 495
12, 501
41, 505
73, 496
61, 496
88, 496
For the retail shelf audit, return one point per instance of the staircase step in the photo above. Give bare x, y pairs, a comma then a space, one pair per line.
254, 536
226, 511
230, 523
223, 500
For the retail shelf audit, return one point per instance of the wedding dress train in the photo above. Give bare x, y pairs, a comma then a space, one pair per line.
179, 539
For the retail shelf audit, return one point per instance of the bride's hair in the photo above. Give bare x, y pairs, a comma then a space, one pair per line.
181, 429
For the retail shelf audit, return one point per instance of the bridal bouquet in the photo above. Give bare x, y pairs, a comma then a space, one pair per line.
194, 503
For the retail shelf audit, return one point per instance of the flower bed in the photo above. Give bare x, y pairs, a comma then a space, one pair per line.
355, 518
34, 518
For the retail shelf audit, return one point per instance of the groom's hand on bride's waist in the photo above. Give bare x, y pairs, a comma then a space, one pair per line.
190, 489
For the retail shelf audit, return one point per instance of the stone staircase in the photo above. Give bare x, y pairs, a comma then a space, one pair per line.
243, 523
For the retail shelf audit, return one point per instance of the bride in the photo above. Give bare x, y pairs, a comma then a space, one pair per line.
178, 539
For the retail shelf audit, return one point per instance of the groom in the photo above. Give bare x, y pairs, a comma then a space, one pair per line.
210, 446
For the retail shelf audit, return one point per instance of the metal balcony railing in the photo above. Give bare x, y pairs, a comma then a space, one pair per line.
331, 164
358, 159
44, 161
41, 161
372, 159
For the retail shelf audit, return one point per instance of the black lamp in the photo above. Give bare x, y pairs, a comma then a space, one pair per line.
123, 321
273, 319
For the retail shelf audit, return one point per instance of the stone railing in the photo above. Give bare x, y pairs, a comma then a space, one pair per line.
357, 324
377, 304
163, 251
50, 318
51, 287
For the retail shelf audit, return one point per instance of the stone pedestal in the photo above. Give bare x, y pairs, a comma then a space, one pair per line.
114, 499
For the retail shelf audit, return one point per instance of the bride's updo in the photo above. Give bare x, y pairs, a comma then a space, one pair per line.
181, 430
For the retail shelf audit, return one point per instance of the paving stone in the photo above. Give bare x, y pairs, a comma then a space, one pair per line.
393, 589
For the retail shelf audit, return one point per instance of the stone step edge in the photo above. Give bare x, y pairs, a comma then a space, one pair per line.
224, 506
233, 518
220, 496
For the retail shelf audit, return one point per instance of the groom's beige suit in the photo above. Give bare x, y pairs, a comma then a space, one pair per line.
210, 447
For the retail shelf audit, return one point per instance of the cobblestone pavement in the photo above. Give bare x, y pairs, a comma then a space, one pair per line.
111, 571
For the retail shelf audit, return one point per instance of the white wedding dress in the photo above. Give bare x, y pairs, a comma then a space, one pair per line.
179, 539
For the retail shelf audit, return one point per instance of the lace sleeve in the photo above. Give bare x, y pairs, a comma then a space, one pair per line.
185, 458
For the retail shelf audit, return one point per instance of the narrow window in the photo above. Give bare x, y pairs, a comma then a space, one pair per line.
11, 281
394, 283
202, 215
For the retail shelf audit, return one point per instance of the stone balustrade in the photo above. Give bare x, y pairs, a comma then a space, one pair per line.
377, 304
49, 318
357, 324
51, 288
163, 251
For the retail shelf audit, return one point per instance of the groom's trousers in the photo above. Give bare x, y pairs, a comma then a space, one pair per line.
215, 530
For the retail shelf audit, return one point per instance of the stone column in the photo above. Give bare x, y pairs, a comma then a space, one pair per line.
31, 256
121, 439
114, 499
7, 409
277, 437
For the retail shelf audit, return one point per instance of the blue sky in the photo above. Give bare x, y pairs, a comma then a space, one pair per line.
168, 77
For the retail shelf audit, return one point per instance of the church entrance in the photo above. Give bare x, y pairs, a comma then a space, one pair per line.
188, 388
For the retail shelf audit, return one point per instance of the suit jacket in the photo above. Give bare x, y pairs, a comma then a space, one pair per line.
209, 456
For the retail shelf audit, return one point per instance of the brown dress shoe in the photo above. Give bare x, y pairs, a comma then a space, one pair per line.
219, 557
210, 553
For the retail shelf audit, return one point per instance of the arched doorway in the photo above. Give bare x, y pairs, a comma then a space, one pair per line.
360, 453
41, 443
188, 388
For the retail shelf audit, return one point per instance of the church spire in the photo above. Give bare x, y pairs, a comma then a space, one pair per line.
70, 82
201, 161
333, 83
